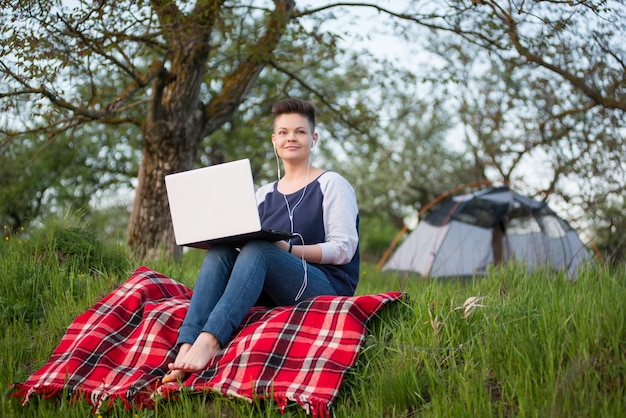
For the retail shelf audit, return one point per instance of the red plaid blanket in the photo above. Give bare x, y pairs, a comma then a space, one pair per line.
120, 348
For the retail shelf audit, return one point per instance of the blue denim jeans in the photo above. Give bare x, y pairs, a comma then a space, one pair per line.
230, 282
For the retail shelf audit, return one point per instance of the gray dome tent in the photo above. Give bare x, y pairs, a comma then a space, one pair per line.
473, 231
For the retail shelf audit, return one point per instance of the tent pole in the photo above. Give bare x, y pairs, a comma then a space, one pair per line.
391, 247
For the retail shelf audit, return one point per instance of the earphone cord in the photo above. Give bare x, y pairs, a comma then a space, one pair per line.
305, 279
290, 212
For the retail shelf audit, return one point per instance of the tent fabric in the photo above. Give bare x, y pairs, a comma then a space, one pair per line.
472, 231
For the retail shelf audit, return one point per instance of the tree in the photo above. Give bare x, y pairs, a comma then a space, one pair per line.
179, 70
413, 161
608, 223
39, 176
180, 73
158, 57
555, 98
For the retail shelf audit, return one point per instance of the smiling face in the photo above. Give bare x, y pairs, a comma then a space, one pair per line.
293, 136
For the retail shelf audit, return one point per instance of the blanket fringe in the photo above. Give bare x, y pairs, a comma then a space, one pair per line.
281, 401
26, 393
140, 400
320, 409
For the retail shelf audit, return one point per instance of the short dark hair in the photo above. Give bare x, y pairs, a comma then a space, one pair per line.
294, 105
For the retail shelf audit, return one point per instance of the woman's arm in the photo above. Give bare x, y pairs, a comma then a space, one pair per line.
340, 220
312, 253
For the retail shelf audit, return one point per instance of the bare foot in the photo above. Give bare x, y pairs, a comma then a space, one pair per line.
174, 374
199, 355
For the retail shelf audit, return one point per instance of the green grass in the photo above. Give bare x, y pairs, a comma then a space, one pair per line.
542, 346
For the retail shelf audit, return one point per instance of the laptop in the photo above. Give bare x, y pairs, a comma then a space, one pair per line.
216, 205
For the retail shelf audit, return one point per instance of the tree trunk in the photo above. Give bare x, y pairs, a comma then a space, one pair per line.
150, 231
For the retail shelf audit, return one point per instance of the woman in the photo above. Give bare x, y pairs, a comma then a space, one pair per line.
317, 206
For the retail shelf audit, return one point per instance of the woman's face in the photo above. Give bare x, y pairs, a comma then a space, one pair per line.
293, 137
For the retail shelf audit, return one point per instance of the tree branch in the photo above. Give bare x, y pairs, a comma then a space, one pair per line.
155, 70
96, 47
239, 82
526, 53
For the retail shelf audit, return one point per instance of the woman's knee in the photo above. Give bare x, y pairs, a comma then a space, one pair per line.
258, 246
220, 258
220, 251
259, 243
259, 251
